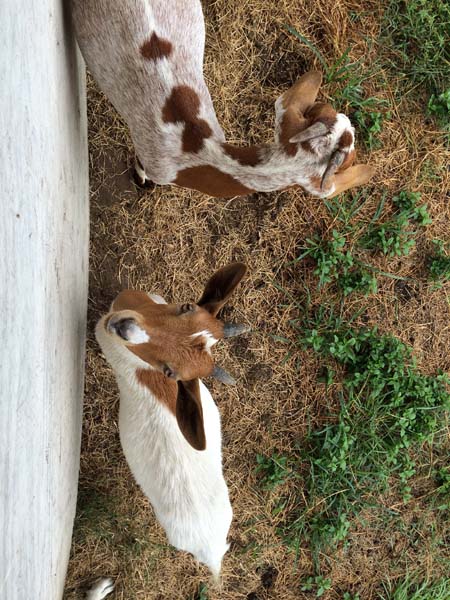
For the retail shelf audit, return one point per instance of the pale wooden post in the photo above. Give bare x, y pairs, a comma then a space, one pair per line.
43, 293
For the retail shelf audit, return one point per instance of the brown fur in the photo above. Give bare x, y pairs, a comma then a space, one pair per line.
212, 181
303, 94
248, 156
316, 182
183, 106
156, 48
345, 140
322, 112
162, 387
290, 125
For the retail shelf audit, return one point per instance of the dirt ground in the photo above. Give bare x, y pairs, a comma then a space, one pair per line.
170, 241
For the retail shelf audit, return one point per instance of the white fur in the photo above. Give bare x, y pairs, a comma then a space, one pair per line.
210, 340
136, 335
157, 298
111, 33
185, 487
101, 588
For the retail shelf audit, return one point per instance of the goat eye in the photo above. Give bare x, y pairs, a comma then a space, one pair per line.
185, 308
168, 372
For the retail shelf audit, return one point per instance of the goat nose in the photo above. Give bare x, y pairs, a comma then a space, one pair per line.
122, 327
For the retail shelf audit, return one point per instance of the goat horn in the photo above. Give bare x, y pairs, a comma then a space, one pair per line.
316, 130
232, 329
221, 375
336, 160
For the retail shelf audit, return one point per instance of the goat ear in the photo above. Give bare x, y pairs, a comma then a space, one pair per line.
189, 413
220, 287
351, 177
129, 300
303, 93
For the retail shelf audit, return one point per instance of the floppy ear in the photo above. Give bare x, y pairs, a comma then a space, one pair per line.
129, 300
295, 102
303, 93
351, 177
220, 287
189, 413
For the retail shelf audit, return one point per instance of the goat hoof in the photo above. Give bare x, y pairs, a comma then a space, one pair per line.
146, 184
100, 589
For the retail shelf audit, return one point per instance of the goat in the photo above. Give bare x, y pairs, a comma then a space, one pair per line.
169, 424
147, 57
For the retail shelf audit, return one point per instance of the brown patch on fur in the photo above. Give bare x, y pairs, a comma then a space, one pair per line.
183, 106
345, 140
156, 48
291, 124
211, 181
322, 112
130, 300
163, 388
316, 182
248, 156
349, 159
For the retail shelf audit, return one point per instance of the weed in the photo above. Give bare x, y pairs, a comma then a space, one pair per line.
317, 583
336, 264
275, 470
442, 477
439, 108
394, 237
386, 406
369, 124
439, 264
417, 32
410, 590
330, 257
202, 593
360, 280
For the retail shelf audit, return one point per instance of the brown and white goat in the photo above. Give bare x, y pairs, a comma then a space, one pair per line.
169, 424
147, 57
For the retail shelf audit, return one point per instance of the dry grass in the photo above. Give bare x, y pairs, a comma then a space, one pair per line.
171, 240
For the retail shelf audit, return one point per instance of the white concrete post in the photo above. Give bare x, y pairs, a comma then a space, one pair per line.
43, 293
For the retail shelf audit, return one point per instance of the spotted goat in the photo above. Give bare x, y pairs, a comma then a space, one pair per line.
147, 57
168, 422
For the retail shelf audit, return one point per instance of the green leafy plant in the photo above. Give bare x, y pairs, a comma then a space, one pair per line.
386, 406
439, 264
335, 263
317, 583
439, 108
369, 125
395, 237
275, 470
